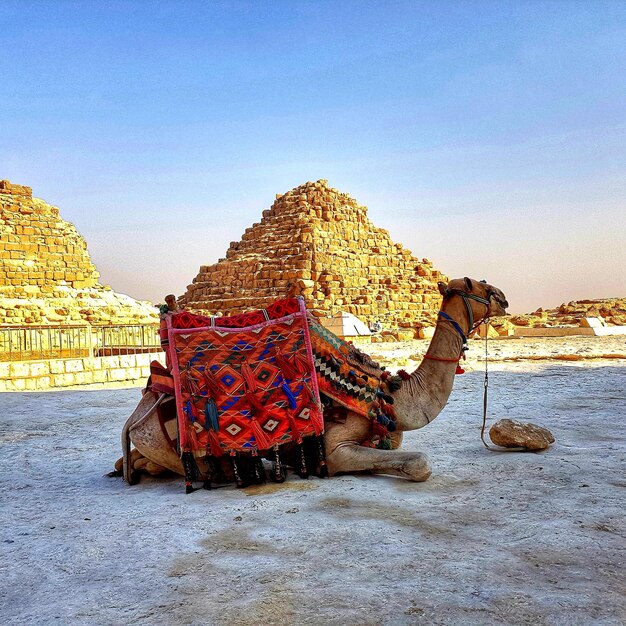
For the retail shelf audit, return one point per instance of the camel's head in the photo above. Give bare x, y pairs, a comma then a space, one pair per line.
479, 289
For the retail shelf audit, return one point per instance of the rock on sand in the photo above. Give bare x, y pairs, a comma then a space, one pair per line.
513, 434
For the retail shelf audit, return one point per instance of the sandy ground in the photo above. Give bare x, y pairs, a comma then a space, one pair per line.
491, 538
408, 354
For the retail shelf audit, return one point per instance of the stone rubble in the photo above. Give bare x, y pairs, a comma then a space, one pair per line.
611, 310
318, 242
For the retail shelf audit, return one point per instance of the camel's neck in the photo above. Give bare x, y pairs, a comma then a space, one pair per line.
422, 397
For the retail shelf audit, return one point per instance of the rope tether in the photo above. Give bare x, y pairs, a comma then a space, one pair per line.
486, 386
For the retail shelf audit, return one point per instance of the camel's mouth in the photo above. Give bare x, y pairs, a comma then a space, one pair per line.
500, 300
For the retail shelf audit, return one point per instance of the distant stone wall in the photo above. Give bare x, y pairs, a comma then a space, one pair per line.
318, 242
131, 369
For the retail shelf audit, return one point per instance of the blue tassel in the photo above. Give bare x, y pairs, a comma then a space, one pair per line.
189, 411
210, 416
293, 404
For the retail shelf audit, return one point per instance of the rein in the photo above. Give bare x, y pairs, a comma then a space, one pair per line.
484, 424
473, 326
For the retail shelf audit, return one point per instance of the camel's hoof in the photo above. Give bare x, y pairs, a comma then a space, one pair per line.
115, 473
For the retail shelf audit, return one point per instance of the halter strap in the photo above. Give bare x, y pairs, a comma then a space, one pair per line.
471, 296
466, 297
455, 324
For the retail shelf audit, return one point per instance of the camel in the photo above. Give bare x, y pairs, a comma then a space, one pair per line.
419, 400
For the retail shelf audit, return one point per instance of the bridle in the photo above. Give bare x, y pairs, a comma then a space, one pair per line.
467, 296
473, 324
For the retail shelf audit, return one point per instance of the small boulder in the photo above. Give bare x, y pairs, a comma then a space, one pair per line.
512, 434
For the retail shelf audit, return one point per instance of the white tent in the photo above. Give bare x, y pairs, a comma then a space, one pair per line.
346, 325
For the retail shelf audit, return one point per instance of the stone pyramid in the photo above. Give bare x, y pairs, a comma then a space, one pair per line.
46, 274
318, 242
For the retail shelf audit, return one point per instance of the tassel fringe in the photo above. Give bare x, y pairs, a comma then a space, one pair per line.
262, 442
259, 471
189, 383
248, 376
289, 394
288, 369
296, 435
395, 382
256, 406
239, 480
211, 383
278, 471
190, 466
210, 416
303, 471
214, 445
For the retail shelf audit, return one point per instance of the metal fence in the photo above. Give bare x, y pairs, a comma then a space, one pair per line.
34, 343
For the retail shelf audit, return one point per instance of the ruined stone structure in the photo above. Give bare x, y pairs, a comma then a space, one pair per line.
611, 310
319, 243
46, 275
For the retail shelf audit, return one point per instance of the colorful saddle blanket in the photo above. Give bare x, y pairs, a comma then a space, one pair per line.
252, 381
244, 383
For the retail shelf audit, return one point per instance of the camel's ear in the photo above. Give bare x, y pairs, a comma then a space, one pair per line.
468, 283
443, 288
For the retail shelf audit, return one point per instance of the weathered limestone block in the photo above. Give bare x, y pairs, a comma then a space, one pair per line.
511, 434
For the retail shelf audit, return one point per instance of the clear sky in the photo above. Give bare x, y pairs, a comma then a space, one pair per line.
489, 137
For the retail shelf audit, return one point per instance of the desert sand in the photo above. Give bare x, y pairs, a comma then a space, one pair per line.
491, 538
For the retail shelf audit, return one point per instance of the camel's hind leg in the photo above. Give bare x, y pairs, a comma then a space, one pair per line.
350, 457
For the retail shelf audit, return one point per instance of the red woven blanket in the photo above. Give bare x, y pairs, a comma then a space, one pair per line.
244, 383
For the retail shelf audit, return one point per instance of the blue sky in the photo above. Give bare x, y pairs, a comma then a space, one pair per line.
489, 137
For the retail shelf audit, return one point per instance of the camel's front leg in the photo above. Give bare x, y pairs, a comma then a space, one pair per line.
350, 457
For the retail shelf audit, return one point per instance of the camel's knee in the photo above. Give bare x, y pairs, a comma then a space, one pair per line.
336, 460
417, 468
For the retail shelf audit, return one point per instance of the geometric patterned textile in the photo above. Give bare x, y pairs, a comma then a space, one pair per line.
345, 374
161, 379
241, 386
276, 310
